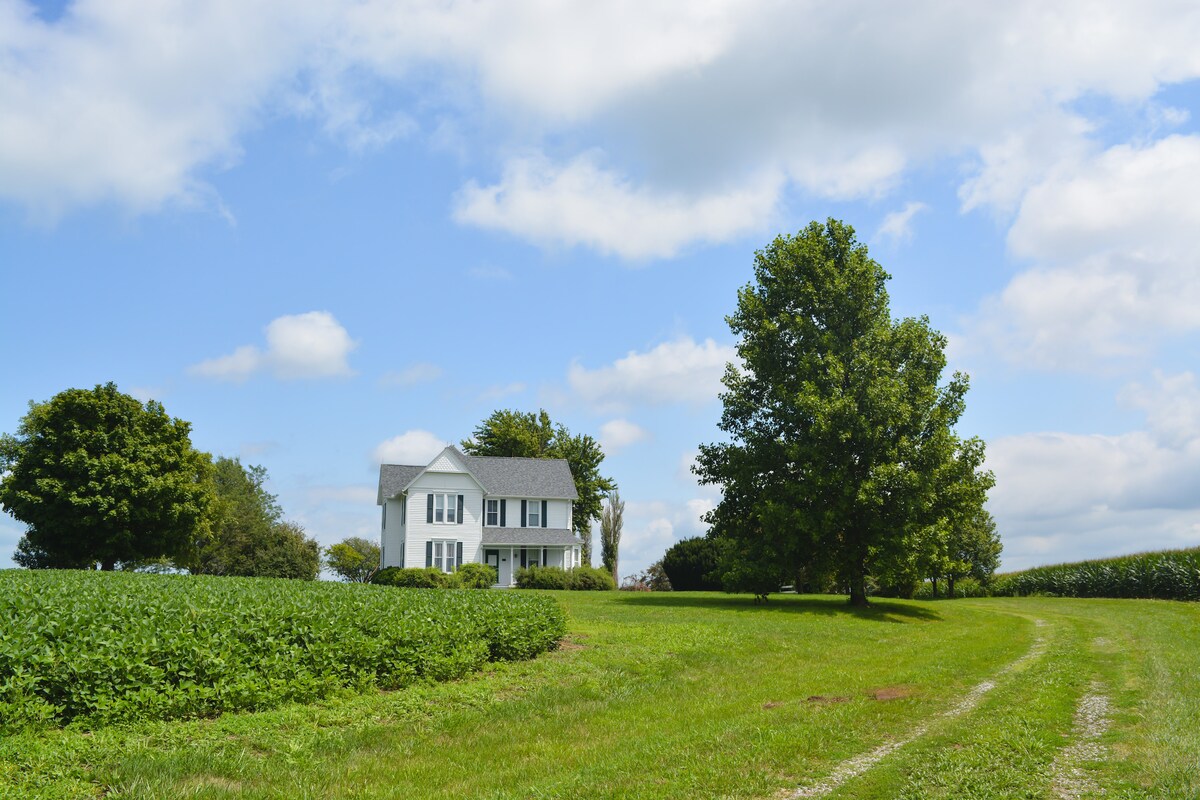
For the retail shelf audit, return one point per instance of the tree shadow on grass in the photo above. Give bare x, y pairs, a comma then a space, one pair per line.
824, 605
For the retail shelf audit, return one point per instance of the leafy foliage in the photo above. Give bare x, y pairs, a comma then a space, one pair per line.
100, 478
1166, 575
476, 576
525, 434
538, 577
612, 519
354, 559
413, 578
248, 536
842, 446
99, 647
693, 565
582, 578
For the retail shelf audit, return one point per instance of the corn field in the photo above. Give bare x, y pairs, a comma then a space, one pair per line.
1166, 575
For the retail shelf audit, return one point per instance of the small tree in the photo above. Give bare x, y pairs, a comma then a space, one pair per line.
100, 478
354, 559
611, 521
693, 565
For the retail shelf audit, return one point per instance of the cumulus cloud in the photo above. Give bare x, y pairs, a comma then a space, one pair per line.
415, 447
1113, 240
651, 526
617, 434
679, 371
1061, 496
581, 203
312, 345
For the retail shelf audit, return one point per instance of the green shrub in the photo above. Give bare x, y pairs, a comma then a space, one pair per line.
476, 576
535, 577
414, 578
96, 647
693, 565
589, 579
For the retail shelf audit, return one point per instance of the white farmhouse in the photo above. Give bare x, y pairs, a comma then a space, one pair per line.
458, 509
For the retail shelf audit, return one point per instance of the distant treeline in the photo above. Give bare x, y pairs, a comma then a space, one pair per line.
1165, 575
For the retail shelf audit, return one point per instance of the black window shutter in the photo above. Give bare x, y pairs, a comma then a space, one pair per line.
460, 515
544, 505
429, 552
523, 523
543, 556
522, 556
503, 506
429, 508
459, 554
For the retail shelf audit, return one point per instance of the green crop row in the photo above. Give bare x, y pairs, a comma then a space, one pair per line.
1167, 575
97, 647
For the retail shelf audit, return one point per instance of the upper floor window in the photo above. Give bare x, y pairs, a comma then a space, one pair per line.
534, 516
445, 508
493, 513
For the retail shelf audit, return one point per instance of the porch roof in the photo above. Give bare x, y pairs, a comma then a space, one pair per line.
529, 536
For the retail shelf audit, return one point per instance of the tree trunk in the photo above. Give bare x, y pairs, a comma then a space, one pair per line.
934, 582
858, 585
950, 586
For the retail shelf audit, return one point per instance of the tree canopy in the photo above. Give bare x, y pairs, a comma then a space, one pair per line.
514, 433
612, 520
101, 478
355, 559
842, 445
247, 534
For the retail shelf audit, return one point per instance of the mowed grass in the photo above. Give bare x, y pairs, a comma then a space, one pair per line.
696, 696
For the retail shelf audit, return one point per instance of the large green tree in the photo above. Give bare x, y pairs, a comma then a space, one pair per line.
247, 534
839, 427
101, 478
524, 434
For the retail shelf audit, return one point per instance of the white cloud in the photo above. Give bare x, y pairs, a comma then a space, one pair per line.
1062, 497
499, 391
897, 225
679, 371
312, 345
652, 526
617, 434
1113, 240
581, 203
415, 447
412, 375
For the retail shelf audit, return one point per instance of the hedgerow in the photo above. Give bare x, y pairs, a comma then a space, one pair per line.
94, 648
1167, 575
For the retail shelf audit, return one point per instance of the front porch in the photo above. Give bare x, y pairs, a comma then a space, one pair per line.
509, 549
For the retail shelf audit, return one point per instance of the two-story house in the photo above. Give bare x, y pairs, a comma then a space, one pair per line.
457, 509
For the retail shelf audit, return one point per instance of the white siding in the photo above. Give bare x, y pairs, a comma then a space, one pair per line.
392, 535
469, 532
443, 463
558, 513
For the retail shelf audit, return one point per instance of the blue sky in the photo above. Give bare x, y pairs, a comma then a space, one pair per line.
332, 233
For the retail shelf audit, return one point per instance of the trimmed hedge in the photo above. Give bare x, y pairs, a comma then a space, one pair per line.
1167, 575
577, 579
94, 647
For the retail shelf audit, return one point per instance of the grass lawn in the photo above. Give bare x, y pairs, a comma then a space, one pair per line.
696, 696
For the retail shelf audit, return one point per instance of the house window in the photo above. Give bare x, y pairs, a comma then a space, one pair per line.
445, 554
493, 513
445, 507
534, 516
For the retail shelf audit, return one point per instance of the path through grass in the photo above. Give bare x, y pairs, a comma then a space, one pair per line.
700, 696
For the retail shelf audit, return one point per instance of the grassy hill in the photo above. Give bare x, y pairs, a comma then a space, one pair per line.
700, 695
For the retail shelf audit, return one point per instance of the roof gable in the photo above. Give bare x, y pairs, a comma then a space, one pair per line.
548, 478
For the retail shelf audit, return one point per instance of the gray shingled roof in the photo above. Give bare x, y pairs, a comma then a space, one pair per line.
526, 536
523, 477
548, 478
393, 478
